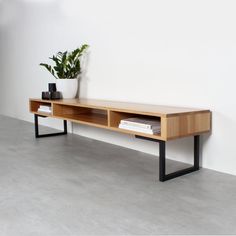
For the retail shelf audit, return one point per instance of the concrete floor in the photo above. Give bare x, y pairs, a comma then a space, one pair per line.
71, 185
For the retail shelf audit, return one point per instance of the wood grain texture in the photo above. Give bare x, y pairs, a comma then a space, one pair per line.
116, 117
34, 105
61, 110
185, 125
146, 109
176, 122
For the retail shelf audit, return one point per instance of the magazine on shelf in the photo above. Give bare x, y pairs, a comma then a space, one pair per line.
141, 122
45, 109
140, 129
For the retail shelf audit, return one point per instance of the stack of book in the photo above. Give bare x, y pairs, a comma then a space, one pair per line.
45, 109
147, 126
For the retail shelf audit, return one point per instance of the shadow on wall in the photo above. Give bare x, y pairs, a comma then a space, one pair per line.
31, 20
33, 30
183, 149
12, 10
83, 78
23, 28
8, 12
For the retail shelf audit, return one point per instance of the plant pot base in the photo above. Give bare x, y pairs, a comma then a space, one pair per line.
67, 87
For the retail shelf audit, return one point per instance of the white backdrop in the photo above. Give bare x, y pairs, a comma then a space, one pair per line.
147, 51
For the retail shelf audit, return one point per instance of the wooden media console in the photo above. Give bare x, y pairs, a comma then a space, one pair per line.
176, 122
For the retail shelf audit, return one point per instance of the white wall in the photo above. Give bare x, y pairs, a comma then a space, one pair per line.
147, 51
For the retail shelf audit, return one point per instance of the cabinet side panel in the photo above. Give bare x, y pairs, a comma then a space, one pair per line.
34, 105
186, 125
164, 128
116, 117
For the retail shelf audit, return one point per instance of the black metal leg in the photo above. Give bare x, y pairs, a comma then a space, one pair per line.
162, 159
65, 126
196, 151
36, 125
163, 176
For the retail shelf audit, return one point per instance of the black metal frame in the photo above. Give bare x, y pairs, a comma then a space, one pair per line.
36, 125
162, 159
162, 151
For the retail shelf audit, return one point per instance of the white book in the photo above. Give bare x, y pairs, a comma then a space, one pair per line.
139, 129
140, 122
45, 107
45, 111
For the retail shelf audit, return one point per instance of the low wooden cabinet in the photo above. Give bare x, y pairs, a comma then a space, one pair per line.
176, 122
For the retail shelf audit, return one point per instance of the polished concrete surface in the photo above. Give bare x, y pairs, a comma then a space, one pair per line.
71, 185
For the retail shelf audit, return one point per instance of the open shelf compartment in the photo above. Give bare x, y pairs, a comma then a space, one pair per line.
34, 106
117, 116
81, 114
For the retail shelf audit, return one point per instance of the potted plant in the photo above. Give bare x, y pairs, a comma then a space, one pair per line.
66, 70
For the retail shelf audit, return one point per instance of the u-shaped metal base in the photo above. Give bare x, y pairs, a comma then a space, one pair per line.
162, 159
36, 125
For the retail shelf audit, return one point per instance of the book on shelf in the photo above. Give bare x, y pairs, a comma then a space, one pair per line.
45, 109
155, 130
141, 122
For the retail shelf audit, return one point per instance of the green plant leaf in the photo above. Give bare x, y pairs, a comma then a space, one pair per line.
67, 64
49, 68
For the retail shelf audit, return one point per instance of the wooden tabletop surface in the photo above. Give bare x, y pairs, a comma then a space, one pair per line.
126, 106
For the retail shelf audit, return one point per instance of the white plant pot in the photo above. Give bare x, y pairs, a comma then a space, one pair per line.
67, 87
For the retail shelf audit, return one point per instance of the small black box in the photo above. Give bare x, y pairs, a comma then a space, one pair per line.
52, 87
51, 95
55, 95
46, 95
